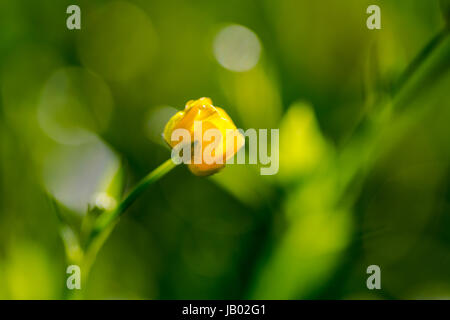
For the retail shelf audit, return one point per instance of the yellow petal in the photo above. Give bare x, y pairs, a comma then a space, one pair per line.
212, 118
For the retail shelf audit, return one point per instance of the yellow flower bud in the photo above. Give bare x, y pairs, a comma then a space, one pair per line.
211, 117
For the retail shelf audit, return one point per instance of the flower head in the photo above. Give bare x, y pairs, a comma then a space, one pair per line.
226, 144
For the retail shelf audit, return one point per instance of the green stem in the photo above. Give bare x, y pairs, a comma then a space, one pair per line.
101, 229
420, 58
152, 177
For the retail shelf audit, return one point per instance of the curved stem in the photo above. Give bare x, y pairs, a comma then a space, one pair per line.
102, 228
420, 58
152, 177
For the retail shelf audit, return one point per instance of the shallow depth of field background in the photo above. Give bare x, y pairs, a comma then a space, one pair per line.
357, 185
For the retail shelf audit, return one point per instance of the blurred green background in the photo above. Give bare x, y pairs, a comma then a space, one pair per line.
364, 164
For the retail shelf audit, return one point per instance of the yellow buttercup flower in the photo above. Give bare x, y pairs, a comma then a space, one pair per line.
210, 117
